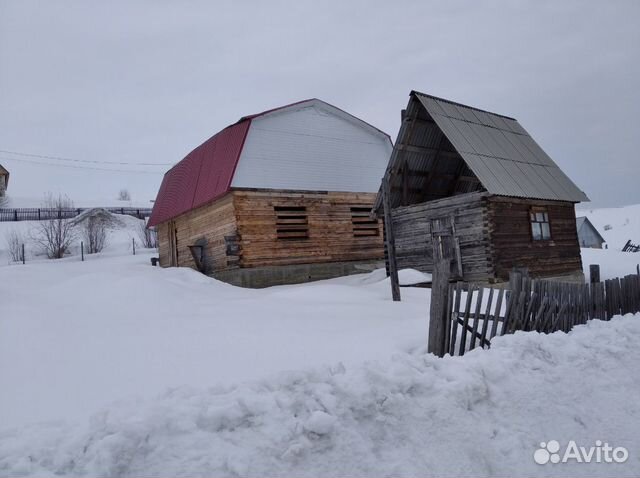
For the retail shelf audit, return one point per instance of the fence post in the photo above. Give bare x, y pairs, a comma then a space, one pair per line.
82, 251
15, 214
594, 273
38, 214
23, 260
134, 246
390, 240
438, 310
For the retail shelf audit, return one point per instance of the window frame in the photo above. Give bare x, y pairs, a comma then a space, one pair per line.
534, 220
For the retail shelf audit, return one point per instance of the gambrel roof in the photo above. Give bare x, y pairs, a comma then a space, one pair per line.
308, 146
495, 150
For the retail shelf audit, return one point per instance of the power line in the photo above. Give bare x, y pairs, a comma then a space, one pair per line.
80, 167
60, 158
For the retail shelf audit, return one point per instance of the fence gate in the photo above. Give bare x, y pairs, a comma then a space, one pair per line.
446, 245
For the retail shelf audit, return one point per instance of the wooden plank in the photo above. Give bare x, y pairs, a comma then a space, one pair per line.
476, 319
438, 308
487, 318
494, 325
454, 318
465, 323
391, 246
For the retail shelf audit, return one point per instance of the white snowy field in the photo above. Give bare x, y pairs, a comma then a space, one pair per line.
111, 367
622, 223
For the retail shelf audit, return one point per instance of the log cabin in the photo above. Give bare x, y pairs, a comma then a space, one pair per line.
473, 187
279, 197
4, 180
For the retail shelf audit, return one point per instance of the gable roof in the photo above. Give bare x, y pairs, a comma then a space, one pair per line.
584, 221
497, 150
208, 172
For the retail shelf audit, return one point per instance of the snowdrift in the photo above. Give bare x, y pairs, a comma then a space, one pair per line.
483, 414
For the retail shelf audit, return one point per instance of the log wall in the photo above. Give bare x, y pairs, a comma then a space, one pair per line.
512, 244
330, 229
214, 223
241, 231
411, 228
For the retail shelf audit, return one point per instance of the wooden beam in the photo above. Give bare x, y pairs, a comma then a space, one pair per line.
439, 313
432, 172
405, 183
411, 148
390, 240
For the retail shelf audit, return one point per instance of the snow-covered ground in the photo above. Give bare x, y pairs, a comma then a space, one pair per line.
623, 223
112, 367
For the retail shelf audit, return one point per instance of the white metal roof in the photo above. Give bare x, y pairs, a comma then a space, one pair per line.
312, 146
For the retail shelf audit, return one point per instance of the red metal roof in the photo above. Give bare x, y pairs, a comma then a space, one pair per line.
204, 175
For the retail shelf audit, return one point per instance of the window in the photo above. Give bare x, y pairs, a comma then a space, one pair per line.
361, 222
291, 222
540, 230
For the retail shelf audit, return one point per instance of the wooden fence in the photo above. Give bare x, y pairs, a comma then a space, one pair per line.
630, 247
38, 214
465, 316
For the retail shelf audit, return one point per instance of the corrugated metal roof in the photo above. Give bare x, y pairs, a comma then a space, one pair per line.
500, 152
204, 175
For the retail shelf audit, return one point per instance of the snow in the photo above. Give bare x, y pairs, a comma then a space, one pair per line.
483, 414
112, 367
119, 240
78, 335
624, 224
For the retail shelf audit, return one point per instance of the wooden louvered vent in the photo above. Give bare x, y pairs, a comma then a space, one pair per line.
362, 223
291, 222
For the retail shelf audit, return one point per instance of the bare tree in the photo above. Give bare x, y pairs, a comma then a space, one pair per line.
148, 237
95, 234
56, 234
14, 241
124, 195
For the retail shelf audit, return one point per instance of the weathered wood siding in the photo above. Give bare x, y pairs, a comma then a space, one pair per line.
411, 227
241, 231
330, 230
213, 223
512, 244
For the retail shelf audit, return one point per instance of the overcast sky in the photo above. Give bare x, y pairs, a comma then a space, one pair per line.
147, 81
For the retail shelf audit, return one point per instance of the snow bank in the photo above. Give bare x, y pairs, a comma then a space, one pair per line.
483, 414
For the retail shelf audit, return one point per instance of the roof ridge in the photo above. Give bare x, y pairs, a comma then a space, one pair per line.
415, 92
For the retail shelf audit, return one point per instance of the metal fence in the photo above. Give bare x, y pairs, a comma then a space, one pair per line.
38, 214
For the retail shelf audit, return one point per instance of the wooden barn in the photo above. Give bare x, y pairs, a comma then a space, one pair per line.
588, 235
279, 197
474, 187
4, 180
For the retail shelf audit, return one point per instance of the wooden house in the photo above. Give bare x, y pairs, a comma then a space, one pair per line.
282, 196
588, 235
474, 187
4, 180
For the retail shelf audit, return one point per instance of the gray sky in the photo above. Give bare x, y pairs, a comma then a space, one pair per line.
146, 81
